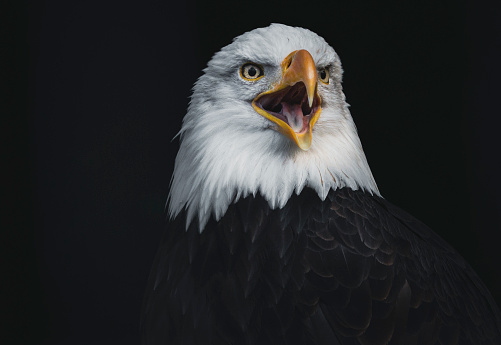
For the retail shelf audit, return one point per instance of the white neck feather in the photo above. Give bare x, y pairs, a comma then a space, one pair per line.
215, 168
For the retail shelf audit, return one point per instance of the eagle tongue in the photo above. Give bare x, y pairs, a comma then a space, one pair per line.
294, 115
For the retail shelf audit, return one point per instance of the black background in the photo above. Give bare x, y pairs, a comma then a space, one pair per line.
93, 92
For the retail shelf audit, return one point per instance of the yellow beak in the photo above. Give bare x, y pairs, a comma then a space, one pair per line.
297, 67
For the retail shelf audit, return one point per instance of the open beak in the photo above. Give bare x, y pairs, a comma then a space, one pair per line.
293, 104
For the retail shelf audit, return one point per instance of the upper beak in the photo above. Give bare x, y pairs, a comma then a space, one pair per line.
295, 109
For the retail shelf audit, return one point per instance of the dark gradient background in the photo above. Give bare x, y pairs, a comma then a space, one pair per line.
93, 92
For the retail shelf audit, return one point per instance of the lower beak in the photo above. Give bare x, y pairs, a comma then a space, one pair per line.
293, 104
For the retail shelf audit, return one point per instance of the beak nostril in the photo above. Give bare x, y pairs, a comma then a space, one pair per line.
287, 62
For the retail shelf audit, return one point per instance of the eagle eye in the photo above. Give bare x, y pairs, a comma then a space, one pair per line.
324, 75
251, 71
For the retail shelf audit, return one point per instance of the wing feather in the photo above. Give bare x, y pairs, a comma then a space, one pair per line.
416, 287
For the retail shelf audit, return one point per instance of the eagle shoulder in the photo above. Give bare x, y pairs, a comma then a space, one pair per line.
384, 277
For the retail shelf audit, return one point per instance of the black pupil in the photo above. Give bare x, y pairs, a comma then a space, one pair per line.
252, 71
323, 74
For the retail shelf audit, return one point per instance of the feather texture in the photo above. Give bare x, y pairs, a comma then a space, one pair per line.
321, 283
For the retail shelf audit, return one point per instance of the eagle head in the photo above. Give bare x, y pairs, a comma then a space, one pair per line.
268, 117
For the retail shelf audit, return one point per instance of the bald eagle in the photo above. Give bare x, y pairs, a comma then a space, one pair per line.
278, 233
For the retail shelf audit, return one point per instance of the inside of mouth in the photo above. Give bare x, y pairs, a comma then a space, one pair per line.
290, 105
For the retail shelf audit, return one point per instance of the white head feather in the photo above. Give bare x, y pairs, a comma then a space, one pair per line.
229, 151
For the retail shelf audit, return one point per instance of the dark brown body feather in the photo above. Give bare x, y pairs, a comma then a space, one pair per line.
352, 269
